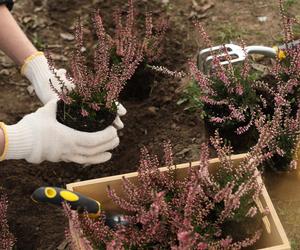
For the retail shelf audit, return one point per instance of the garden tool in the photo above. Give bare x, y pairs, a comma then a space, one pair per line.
77, 201
57, 196
238, 54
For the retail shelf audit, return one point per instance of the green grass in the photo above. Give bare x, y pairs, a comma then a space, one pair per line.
228, 32
289, 3
295, 245
38, 42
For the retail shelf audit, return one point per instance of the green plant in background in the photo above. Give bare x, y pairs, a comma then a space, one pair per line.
294, 244
38, 42
191, 98
289, 3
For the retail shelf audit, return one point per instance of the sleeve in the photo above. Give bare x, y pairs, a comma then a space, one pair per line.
9, 3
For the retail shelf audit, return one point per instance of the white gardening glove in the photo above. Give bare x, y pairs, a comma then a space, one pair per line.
37, 71
38, 137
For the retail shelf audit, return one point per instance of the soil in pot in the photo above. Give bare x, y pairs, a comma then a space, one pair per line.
139, 87
279, 163
240, 143
72, 118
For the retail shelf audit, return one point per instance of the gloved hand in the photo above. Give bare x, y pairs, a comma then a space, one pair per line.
38, 137
37, 71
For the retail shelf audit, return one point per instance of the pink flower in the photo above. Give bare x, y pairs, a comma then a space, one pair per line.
252, 212
84, 113
202, 246
226, 242
217, 120
239, 89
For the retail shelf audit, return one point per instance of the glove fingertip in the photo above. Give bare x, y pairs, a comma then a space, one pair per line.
104, 157
118, 124
121, 110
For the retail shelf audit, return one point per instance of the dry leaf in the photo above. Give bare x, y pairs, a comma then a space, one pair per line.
67, 36
203, 6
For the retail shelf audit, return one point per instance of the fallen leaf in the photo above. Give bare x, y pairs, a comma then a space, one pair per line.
262, 19
67, 36
203, 6
4, 72
30, 90
260, 67
27, 19
184, 151
6, 62
57, 57
63, 245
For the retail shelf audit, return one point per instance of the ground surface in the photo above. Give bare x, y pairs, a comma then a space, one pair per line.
147, 123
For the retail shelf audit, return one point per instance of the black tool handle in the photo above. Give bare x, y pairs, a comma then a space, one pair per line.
290, 45
57, 196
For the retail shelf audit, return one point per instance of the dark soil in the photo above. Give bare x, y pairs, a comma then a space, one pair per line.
139, 87
240, 143
148, 122
72, 118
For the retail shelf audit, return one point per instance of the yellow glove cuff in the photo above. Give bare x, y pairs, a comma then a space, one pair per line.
29, 59
3, 127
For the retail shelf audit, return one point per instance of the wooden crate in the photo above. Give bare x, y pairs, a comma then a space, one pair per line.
276, 239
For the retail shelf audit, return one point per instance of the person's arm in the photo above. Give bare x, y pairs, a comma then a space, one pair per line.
13, 42
2, 142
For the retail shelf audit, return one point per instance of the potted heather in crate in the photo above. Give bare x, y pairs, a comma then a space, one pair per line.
91, 105
210, 204
150, 37
7, 240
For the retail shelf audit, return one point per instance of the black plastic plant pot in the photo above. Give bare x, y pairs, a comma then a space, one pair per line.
72, 117
278, 163
240, 143
139, 87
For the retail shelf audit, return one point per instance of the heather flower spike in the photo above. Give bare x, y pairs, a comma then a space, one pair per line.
7, 240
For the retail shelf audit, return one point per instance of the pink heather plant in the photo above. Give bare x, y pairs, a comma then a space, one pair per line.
74, 232
231, 97
116, 59
7, 240
197, 212
226, 94
151, 40
99, 88
281, 90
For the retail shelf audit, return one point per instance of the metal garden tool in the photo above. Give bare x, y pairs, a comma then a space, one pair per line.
237, 54
77, 201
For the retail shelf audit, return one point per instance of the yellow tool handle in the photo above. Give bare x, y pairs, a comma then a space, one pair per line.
77, 201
